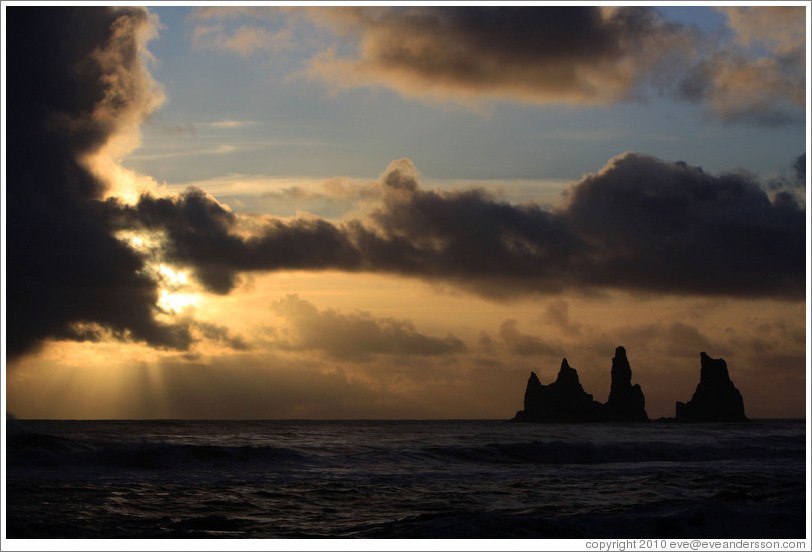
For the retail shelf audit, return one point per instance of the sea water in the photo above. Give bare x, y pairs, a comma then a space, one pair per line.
404, 479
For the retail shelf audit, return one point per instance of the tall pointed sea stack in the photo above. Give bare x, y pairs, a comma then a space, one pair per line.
626, 401
564, 400
716, 399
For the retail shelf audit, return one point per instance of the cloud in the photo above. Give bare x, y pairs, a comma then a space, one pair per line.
430, 233
332, 190
221, 334
359, 336
522, 344
77, 85
764, 91
759, 78
780, 29
639, 224
231, 12
795, 181
244, 40
580, 55
656, 225
292, 195
231, 124
179, 130
558, 313
201, 233
753, 74
685, 340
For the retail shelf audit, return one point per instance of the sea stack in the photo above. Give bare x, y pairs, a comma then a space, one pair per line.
564, 400
626, 401
716, 399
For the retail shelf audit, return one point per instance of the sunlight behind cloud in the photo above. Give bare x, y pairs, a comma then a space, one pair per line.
519, 245
143, 95
172, 276
121, 183
142, 241
176, 297
177, 302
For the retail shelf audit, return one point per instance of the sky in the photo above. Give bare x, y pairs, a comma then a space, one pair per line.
399, 212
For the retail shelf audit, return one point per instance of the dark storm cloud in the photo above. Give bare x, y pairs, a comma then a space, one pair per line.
754, 74
662, 226
579, 54
465, 235
73, 78
202, 234
640, 224
425, 234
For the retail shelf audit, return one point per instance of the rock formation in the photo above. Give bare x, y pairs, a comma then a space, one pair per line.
626, 401
564, 400
716, 399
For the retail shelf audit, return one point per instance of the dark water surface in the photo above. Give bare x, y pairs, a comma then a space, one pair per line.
404, 479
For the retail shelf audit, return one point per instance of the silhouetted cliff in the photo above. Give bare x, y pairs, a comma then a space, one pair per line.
716, 399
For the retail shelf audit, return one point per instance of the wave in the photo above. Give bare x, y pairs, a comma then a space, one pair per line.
36, 449
369, 480
583, 452
680, 520
32, 449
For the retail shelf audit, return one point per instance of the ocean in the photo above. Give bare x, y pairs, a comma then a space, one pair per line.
404, 479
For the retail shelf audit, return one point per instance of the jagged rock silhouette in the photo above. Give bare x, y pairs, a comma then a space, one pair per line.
564, 400
716, 399
626, 402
